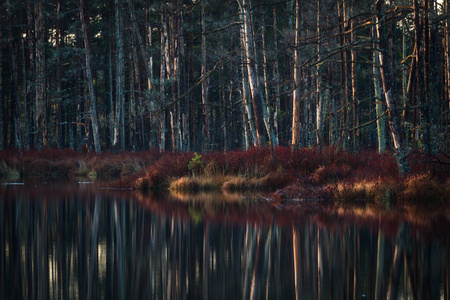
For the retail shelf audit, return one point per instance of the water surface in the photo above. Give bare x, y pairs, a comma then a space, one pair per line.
76, 241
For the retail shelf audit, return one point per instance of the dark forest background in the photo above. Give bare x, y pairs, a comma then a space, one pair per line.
218, 75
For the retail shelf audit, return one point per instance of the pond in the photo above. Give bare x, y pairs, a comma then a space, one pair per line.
80, 241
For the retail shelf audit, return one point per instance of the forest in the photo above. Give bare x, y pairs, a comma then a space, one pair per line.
196, 75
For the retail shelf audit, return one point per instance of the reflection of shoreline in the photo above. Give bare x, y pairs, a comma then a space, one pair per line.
222, 197
237, 208
261, 212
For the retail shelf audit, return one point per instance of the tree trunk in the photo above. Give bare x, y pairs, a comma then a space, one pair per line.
147, 60
343, 77
447, 48
119, 78
394, 117
205, 84
14, 79
276, 76
381, 129
26, 111
447, 73
266, 108
250, 120
1, 95
135, 91
353, 81
88, 73
58, 35
40, 109
248, 109
162, 82
255, 92
190, 74
426, 105
296, 100
319, 103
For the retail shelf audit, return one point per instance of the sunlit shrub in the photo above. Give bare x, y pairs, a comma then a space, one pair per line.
350, 193
385, 193
235, 184
195, 184
423, 188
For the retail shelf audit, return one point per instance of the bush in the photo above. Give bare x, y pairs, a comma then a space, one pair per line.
423, 188
385, 193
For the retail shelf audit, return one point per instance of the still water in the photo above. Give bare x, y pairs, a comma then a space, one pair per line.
79, 241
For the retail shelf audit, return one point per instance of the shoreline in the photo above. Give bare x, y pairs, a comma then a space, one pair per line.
289, 174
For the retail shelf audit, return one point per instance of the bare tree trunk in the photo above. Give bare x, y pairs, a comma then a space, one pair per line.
190, 74
180, 87
248, 109
88, 73
58, 38
13, 55
419, 68
134, 93
40, 111
381, 129
343, 76
426, 105
353, 80
119, 78
447, 73
1, 94
205, 84
162, 90
255, 92
276, 76
394, 116
148, 102
266, 105
447, 52
319, 104
296, 100
111, 56
28, 130
147, 60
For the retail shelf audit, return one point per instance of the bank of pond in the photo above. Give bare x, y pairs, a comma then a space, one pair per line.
283, 174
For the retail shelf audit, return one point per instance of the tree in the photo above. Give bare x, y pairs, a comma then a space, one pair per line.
205, 83
89, 78
118, 129
255, 91
391, 103
296, 98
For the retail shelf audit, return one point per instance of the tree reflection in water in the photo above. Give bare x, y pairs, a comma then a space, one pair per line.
62, 243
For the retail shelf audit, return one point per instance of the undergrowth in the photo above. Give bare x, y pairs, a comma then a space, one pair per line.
304, 173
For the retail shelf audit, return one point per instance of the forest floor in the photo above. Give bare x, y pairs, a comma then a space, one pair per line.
286, 177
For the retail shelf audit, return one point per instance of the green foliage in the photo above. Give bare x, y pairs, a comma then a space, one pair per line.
195, 164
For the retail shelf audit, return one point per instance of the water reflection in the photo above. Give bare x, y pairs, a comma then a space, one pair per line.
67, 242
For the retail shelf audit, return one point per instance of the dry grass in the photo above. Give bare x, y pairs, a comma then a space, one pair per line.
195, 184
268, 182
424, 189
